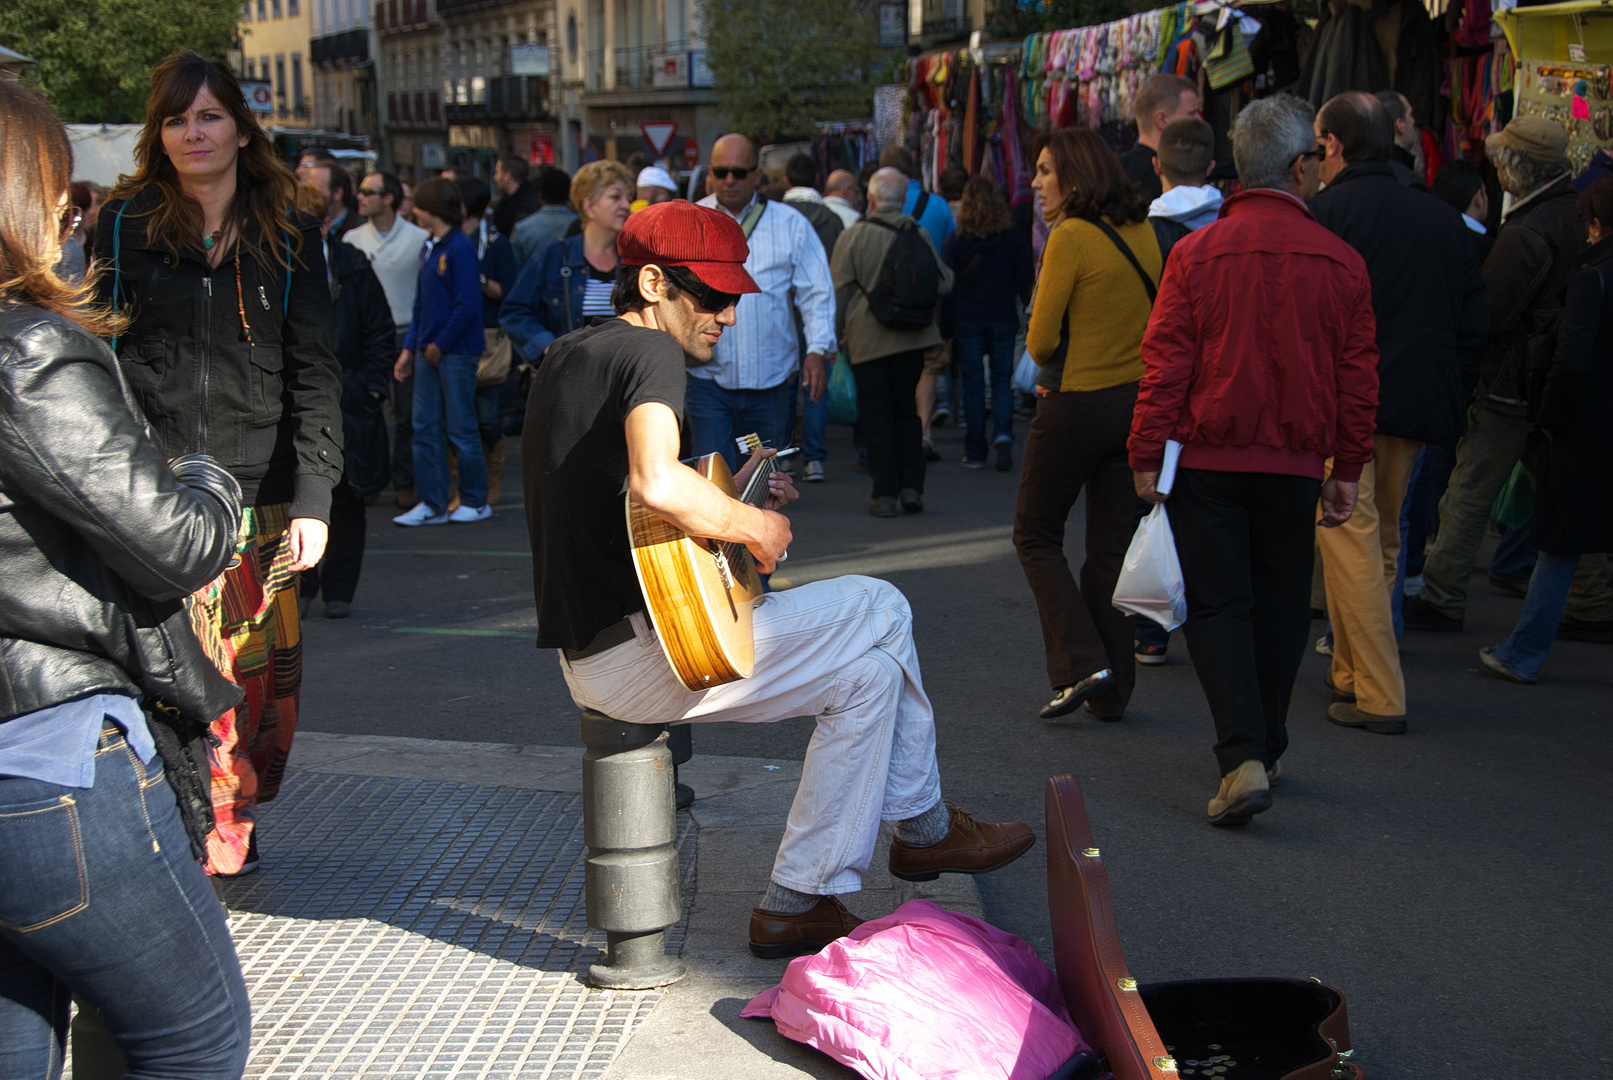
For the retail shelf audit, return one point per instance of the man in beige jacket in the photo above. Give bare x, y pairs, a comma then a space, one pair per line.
886, 362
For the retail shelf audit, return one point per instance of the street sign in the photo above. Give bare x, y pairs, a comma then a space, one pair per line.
259, 96
659, 135
691, 152
541, 148
529, 60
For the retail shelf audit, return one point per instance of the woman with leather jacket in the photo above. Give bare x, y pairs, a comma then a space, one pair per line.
570, 283
104, 691
227, 351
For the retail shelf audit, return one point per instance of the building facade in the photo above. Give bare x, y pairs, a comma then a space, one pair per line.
346, 81
275, 48
627, 63
496, 82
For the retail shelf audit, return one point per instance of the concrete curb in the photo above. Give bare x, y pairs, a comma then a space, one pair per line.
695, 1032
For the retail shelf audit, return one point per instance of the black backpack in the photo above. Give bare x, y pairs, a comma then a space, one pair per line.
909, 283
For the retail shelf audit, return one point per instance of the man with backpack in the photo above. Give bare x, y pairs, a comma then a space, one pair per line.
887, 281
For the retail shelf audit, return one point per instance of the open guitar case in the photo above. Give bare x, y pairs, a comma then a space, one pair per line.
1198, 1029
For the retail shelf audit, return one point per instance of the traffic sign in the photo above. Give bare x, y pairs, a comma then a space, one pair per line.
259, 96
691, 152
659, 135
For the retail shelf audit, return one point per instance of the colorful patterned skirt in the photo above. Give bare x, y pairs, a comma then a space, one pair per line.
247, 621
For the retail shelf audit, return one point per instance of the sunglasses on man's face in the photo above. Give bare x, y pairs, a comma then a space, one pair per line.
370, 193
722, 173
707, 298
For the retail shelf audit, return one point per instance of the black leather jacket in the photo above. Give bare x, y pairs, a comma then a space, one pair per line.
268, 408
100, 538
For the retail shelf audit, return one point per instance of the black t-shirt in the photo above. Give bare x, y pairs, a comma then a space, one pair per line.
574, 471
1139, 165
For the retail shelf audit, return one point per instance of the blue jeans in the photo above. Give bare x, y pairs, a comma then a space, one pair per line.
446, 393
815, 425
1397, 597
971, 343
100, 897
718, 416
1525, 649
1514, 558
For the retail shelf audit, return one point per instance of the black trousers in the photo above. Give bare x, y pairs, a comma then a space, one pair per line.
403, 434
889, 418
1247, 543
337, 573
1078, 442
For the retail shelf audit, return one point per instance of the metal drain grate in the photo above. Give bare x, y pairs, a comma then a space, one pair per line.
426, 929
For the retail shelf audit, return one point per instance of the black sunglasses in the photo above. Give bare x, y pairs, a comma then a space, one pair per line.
722, 173
371, 194
709, 299
70, 220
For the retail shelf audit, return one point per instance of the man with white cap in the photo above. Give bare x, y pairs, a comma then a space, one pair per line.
603, 417
655, 185
1526, 274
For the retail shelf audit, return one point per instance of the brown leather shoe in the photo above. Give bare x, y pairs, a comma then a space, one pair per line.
774, 936
970, 847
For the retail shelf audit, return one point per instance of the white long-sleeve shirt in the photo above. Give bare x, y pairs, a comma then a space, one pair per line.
788, 264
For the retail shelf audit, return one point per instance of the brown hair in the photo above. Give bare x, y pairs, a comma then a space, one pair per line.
36, 164
439, 197
983, 213
1098, 185
1186, 148
1596, 203
264, 188
312, 199
1160, 91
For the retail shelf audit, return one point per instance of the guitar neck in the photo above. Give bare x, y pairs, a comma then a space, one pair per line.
755, 493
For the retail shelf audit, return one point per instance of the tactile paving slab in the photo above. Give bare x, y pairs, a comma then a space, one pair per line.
416, 928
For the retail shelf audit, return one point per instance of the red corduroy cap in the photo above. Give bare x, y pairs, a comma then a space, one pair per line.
706, 242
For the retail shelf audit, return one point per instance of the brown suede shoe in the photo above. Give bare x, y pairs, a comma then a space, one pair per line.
774, 936
970, 847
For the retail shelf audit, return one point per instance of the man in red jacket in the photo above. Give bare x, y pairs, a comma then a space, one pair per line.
1261, 360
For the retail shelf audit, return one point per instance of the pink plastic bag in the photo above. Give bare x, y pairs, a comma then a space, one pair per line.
927, 994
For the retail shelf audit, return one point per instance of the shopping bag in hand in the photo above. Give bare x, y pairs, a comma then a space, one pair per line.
1025, 374
1150, 581
842, 392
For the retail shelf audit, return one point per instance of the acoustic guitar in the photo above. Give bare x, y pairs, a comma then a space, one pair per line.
699, 592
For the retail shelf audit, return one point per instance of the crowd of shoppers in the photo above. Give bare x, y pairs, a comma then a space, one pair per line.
1314, 343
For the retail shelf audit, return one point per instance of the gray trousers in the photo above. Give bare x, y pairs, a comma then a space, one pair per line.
1485, 457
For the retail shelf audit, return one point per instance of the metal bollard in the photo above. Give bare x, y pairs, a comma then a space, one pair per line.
632, 868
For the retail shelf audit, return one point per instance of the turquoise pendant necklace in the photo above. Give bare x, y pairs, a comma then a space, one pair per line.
210, 242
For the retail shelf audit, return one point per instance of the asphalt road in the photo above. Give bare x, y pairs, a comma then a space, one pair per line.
1454, 883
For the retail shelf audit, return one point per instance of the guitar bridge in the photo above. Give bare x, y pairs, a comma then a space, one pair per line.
723, 568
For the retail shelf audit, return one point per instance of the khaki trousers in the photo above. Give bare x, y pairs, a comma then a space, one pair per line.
1358, 565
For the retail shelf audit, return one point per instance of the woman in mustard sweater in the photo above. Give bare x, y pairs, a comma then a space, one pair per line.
1094, 293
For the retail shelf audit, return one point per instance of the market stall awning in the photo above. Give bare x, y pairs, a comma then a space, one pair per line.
1547, 31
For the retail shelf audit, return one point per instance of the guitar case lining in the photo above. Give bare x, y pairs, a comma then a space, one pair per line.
1202, 1029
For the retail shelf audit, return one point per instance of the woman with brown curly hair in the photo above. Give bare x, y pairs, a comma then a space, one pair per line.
228, 353
1099, 274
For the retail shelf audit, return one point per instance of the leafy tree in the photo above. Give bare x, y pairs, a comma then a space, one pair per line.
95, 56
780, 65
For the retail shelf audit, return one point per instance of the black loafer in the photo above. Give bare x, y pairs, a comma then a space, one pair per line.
1070, 698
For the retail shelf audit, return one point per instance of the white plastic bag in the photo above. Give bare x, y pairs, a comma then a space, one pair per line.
1150, 581
1025, 374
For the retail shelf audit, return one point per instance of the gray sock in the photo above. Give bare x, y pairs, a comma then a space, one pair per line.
926, 830
785, 901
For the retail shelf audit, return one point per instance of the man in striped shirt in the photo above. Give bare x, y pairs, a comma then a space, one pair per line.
748, 383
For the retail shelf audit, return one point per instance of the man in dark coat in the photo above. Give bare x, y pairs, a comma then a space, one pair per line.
1537, 250
1428, 299
361, 336
518, 199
